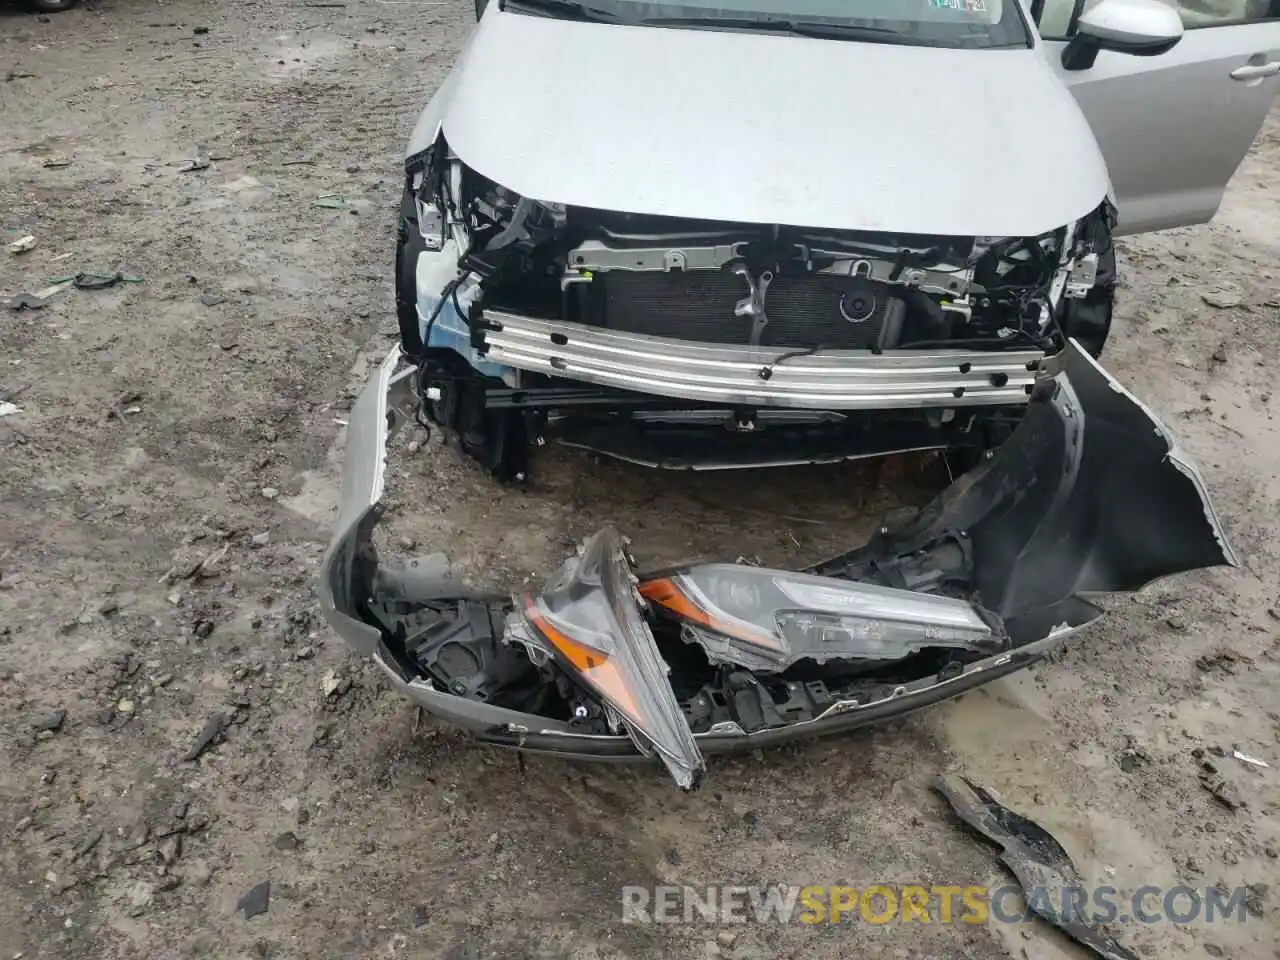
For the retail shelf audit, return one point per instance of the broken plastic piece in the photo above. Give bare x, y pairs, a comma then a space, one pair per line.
256, 901
26, 301
94, 281
1036, 858
1243, 758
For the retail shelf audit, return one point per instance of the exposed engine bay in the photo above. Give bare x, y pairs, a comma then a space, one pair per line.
1090, 495
668, 341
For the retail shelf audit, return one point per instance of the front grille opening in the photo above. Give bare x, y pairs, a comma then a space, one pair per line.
698, 305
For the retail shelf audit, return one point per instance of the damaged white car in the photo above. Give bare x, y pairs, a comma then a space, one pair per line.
699, 237
696, 235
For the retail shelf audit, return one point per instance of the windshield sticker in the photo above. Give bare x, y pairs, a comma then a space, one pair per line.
963, 6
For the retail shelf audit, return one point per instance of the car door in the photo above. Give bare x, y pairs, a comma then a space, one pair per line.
1173, 128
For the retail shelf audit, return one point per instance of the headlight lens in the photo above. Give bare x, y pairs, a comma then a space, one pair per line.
768, 619
589, 620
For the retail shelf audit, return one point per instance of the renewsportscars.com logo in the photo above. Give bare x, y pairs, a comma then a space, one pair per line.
934, 903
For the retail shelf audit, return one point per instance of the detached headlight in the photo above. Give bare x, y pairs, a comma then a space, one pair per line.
589, 621
768, 619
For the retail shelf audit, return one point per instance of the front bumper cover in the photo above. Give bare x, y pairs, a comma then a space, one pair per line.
1090, 495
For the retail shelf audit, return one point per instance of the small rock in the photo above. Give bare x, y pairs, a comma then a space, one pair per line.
1255, 896
1176, 622
368, 846
420, 916
136, 837
673, 856
22, 824
22, 244
178, 809
65, 884
287, 841
1220, 355
141, 894
1222, 299
1222, 791
303, 817
726, 937
261, 539
52, 721
1131, 758
125, 705
200, 31
90, 841
170, 882
330, 682
169, 849
270, 493
109, 606
1271, 851
209, 734
197, 873
408, 543
162, 681
1213, 950
203, 629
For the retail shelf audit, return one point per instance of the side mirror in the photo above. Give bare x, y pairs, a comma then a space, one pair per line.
1144, 28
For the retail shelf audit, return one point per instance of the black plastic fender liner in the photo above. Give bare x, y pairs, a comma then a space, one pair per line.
409, 244
1090, 495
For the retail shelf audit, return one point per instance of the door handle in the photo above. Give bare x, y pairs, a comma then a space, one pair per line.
1256, 71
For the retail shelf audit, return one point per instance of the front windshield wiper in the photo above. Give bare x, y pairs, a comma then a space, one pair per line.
578, 10
567, 10
803, 28
853, 31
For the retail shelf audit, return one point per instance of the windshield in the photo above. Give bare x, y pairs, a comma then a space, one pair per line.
935, 23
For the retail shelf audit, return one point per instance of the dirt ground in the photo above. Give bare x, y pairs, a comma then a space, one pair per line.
197, 416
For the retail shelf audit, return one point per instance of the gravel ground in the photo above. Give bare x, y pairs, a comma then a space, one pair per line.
168, 486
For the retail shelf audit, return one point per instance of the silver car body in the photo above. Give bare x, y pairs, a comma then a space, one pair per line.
670, 144
832, 133
722, 125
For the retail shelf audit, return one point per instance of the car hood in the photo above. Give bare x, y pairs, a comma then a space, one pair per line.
766, 128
